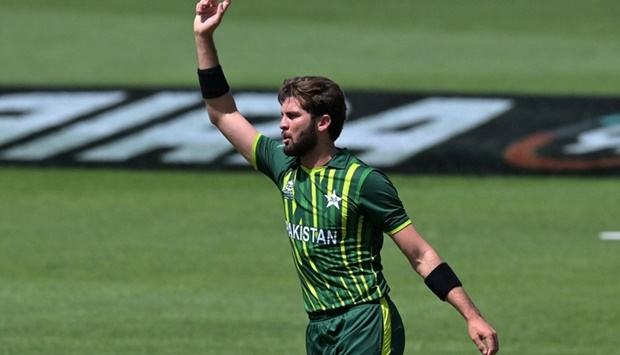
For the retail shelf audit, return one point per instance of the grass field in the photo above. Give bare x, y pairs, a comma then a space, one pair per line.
552, 46
103, 262
121, 262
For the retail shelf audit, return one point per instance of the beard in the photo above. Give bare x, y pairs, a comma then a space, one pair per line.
306, 142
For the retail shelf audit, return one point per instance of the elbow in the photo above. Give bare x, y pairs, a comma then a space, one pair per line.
215, 116
219, 108
214, 120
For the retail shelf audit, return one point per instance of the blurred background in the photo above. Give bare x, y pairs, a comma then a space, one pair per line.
556, 46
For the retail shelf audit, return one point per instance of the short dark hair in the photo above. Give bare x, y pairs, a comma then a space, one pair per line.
318, 96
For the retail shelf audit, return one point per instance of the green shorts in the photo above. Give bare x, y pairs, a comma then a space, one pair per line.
373, 328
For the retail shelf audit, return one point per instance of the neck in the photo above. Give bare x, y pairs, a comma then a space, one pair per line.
318, 158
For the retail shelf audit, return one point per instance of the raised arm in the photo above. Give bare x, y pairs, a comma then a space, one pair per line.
440, 278
214, 87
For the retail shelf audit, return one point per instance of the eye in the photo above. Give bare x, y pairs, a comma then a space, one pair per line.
291, 115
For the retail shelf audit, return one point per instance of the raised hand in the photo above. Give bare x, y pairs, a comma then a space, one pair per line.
209, 14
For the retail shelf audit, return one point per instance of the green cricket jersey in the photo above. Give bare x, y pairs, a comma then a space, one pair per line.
335, 218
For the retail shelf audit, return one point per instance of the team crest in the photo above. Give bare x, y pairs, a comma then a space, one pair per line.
288, 190
333, 200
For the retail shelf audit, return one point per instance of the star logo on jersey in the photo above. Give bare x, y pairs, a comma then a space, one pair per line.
333, 200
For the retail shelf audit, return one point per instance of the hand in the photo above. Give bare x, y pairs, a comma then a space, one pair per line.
483, 336
209, 14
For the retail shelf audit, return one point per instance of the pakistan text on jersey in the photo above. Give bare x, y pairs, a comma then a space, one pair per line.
311, 234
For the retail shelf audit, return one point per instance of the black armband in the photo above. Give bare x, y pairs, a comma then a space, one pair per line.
442, 280
213, 83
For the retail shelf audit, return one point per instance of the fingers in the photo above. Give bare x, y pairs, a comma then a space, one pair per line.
492, 343
204, 7
483, 335
481, 346
224, 5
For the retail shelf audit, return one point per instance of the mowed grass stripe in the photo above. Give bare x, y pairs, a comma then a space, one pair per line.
536, 47
162, 262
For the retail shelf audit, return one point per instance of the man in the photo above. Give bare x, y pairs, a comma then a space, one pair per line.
336, 211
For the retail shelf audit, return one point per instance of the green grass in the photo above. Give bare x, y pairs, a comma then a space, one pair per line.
554, 46
116, 262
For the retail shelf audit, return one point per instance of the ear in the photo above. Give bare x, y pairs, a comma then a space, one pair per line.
323, 123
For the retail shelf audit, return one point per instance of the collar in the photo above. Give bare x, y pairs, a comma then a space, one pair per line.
338, 161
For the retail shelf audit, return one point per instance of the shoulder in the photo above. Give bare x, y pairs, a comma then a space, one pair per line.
376, 180
372, 181
369, 175
268, 157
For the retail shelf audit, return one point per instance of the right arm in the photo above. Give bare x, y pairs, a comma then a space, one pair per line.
222, 110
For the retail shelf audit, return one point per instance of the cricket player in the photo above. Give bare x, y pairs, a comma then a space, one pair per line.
336, 211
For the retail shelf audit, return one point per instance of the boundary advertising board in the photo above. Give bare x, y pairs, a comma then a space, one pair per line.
433, 133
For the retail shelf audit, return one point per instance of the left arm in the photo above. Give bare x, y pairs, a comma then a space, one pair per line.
424, 260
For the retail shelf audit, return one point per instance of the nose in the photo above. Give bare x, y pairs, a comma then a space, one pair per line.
284, 123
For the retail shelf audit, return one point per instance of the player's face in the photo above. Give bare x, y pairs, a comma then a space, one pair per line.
299, 132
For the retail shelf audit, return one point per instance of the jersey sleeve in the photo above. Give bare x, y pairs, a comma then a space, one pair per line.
380, 202
269, 158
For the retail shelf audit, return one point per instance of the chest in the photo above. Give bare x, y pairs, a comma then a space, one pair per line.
322, 198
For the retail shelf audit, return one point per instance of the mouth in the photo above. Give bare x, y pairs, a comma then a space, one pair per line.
286, 139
